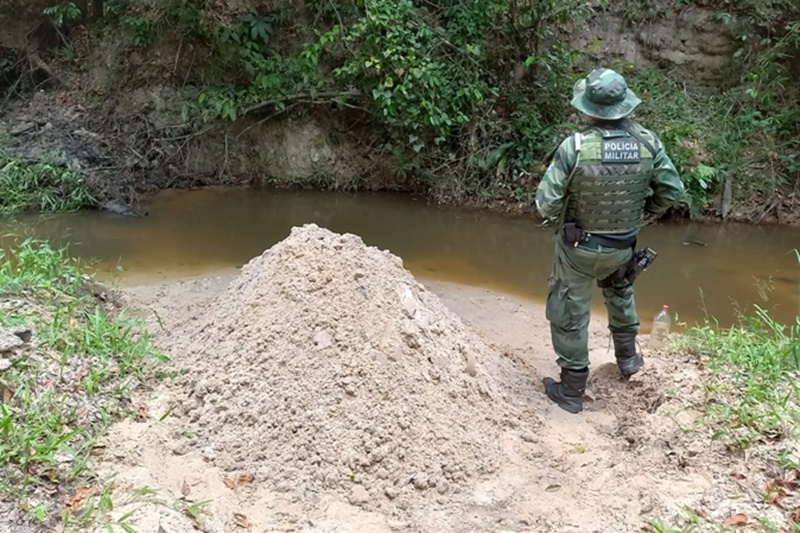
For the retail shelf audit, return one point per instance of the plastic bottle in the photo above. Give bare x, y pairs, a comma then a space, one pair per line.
660, 330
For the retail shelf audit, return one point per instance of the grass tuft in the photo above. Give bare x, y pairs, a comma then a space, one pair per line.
72, 379
753, 387
41, 186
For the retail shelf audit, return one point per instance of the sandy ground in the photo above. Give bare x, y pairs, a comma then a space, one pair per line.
637, 450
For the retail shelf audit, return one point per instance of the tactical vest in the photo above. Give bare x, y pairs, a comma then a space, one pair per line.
611, 181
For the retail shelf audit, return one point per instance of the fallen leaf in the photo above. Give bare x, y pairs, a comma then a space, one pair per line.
788, 484
796, 515
7, 394
241, 520
775, 494
83, 492
185, 490
231, 484
553, 488
246, 479
739, 476
195, 524
739, 519
777, 497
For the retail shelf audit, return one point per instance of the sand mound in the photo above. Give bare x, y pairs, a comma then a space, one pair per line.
325, 365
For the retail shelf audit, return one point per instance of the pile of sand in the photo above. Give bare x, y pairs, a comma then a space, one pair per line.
325, 365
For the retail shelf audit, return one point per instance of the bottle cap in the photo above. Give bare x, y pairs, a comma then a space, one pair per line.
666, 307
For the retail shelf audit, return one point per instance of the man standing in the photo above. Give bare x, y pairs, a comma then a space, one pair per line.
600, 184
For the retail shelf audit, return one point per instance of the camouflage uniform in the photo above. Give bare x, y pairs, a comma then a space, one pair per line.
604, 179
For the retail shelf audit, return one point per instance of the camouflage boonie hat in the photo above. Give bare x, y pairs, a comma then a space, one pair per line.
604, 94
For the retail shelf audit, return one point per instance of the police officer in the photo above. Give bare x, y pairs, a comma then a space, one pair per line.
599, 186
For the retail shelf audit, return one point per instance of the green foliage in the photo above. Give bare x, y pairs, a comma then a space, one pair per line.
415, 91
753, 392
436, 88
48, 187
432, 76
687, 125
63, 13
472, 95
59, 397
762, 124
36, 267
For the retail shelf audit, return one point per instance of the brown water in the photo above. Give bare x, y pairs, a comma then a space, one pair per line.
199, 232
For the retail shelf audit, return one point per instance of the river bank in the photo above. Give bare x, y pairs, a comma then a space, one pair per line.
630, 457
115, 158
643, 452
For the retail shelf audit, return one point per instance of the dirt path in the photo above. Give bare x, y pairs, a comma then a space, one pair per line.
635, 452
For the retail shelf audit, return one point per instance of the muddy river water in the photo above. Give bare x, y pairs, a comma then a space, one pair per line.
713, 269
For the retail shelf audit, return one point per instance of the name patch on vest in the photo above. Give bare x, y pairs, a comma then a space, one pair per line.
621, 151
615, 133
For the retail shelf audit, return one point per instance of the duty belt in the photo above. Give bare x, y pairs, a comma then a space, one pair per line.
610, 243
573, 236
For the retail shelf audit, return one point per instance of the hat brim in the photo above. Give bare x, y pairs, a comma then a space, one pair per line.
609, 112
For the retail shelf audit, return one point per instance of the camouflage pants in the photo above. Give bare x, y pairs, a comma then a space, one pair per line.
569, 299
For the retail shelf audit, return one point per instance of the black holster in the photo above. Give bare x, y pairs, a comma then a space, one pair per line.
627, 273
572, 234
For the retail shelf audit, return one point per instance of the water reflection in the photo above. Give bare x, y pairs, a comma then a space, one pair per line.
195, 232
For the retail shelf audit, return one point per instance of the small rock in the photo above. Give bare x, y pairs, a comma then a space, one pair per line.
695, 449
322, 339
358, 496
225, 461
22, 128
647, 508
408, 301
9, 341
470, 368
423, 318
209, 454
420, 481
528, 437
391, 493
382, 473
182, 448
442, 487
5, 364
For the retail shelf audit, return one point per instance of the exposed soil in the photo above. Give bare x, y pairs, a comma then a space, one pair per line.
327, 390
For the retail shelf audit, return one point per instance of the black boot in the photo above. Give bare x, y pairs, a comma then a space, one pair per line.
568, 393
628, 361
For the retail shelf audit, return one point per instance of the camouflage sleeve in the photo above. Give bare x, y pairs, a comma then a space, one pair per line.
552, 188
666, 184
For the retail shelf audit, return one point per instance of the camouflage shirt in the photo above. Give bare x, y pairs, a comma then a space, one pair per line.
666, 183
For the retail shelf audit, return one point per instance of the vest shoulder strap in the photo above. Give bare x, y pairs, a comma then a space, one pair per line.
577, 138
641, 139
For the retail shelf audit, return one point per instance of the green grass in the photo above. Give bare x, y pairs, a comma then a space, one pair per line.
62, 394
753, 390
752, 397
41, 186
